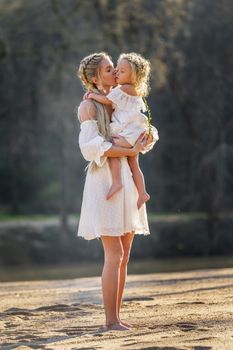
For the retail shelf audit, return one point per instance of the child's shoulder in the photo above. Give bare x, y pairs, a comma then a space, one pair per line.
129, 89
125, 98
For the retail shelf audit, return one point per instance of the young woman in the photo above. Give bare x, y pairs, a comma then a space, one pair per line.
114, 221
132, 75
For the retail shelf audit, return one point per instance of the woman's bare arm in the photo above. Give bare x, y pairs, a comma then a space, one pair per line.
117, 151
121, 141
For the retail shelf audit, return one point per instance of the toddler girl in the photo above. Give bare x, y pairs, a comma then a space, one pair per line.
127, 120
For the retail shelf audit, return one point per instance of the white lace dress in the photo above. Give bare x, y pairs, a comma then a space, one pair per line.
127, 119
99, 216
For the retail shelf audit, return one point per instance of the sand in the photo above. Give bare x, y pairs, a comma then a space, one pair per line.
186, 310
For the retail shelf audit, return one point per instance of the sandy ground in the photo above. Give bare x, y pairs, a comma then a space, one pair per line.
188, 310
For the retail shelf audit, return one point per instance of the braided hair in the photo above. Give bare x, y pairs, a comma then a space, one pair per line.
89, 68
140, 71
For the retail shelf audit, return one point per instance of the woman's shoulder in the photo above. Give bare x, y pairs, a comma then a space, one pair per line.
86, 111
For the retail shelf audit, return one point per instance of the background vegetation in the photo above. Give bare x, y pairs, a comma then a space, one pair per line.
189, 44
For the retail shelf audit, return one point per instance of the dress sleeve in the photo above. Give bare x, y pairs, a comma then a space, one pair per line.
155, 139
92, 144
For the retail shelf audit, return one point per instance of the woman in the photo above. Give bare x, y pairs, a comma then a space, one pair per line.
114, 221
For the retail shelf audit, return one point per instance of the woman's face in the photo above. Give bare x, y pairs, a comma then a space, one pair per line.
107, 73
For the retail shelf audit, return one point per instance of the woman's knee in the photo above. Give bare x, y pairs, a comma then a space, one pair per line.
113, 250
127, 241
114, 258
125, 257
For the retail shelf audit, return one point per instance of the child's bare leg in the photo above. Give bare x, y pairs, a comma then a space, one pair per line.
115, 168
138, 177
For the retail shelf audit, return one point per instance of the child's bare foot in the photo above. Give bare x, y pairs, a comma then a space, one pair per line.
143, 199
116, 327
114, 189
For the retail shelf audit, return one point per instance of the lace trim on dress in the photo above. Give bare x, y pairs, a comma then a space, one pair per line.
126, 102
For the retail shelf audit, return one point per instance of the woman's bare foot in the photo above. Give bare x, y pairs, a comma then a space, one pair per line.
114, 189
126, 324
143, 198
116, 327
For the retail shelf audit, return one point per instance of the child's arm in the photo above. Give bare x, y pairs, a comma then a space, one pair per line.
99, 98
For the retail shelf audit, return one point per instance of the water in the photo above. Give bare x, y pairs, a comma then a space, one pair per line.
82, 269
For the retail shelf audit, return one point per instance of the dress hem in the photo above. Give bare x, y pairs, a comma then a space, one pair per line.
97, 236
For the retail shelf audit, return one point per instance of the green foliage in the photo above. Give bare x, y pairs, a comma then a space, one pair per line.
189, 44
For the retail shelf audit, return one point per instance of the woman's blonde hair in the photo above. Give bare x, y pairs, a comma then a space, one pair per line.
140, 71
89, 68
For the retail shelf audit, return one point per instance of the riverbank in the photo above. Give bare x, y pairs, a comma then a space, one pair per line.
26, 243
91, 269
181, 310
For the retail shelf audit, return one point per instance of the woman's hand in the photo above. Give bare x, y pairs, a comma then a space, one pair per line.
149, 139
140, 144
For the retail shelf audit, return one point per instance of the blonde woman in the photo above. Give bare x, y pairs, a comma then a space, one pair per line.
116, 221
132, 75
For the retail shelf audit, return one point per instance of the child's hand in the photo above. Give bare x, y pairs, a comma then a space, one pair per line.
91, 95
116, 136
86, 95
121, 141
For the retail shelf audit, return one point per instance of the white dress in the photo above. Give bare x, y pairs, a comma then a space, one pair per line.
127, 119
118, 215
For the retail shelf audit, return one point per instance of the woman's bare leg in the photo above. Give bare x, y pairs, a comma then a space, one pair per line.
126, 241
115, 168
113, 255
138, 178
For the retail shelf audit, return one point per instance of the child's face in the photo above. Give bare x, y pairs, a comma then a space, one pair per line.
124, 72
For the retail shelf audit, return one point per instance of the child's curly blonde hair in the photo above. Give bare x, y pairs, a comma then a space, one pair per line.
140, 71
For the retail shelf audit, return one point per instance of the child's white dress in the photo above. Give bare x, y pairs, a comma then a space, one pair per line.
118, 215
127, 119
